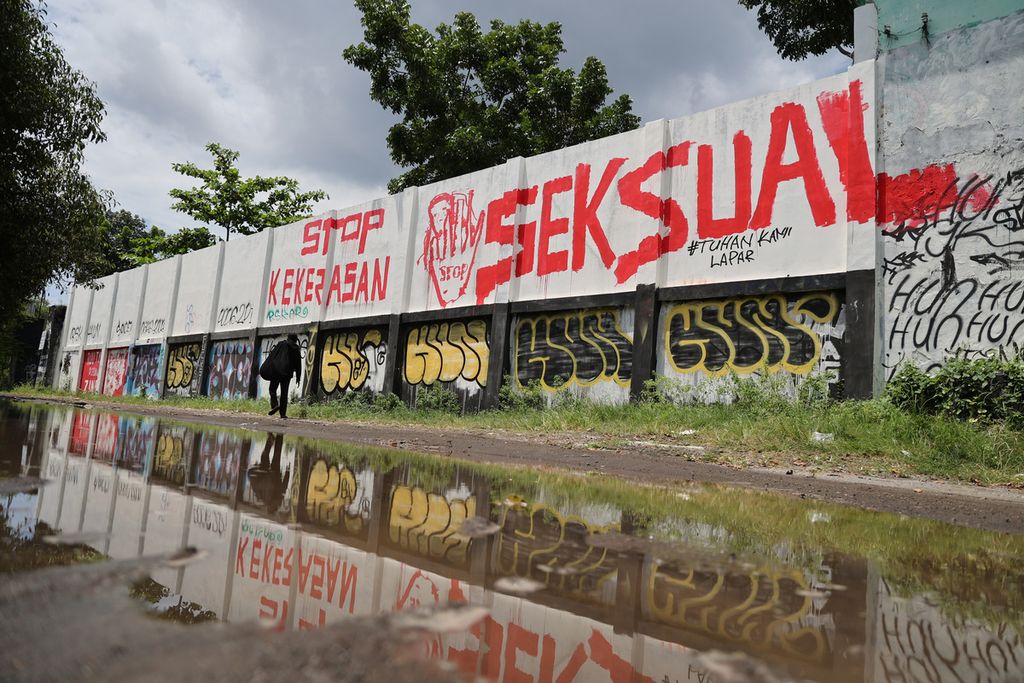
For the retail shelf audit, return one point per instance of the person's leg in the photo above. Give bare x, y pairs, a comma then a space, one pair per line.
274, 384
284, 396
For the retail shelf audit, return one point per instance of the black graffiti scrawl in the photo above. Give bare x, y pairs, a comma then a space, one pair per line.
953, 274
581, 348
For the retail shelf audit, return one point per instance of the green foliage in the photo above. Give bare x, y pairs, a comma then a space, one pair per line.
513, 397
438, 398
982, 390
129, 243
387, 403
799, 28
470, 99
242, 205
49, 210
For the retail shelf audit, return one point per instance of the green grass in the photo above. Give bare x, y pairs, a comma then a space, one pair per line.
872, 437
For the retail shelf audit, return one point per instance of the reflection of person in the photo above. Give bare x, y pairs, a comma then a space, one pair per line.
283, 361
265, 478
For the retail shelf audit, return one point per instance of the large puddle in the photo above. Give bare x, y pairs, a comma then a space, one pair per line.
582, 578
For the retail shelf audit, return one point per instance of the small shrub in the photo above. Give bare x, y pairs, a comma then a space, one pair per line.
514, 397
387, 403
814, 390
762, 394
979, 390
438, 398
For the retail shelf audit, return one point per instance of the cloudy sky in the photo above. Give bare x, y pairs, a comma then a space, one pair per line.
267, 79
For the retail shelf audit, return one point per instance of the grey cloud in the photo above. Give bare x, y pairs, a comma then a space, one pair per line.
267, 78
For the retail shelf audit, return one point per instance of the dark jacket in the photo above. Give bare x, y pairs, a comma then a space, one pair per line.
284, 360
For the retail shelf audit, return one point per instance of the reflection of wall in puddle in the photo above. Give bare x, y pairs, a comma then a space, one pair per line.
915, 641
261, 568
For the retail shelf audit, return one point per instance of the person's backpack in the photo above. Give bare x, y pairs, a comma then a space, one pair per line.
277, 364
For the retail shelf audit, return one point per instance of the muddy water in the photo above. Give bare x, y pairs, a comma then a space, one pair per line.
581, 578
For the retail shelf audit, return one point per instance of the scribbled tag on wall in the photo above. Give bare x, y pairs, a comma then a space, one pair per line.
795, 333
576, 348
353, 360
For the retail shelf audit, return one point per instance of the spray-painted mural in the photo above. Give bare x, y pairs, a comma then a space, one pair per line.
589, 351
353, 360
797, 334
144, 375
90, 378
184, 369
115, 372
452, 354
230, 369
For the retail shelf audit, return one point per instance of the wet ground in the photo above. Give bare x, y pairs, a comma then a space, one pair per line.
187, 551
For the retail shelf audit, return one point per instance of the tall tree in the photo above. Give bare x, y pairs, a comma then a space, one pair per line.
470, 99
50, 213
242, 205
799, 28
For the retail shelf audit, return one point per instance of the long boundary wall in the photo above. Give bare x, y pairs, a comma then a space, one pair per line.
748, 239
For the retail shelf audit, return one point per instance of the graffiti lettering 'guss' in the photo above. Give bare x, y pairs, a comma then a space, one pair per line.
444, 352
348, 358
748, 334
181, 365
583, 347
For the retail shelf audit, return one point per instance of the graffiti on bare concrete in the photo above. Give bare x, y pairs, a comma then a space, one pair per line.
952, 269
446, 352
237, 316
428, 524
581, 347
350, 359
183, 363
750, 334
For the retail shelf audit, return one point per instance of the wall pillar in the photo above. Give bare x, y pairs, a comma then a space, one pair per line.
859, 348
645, 332
204, 367
392, 377
498, 361
254, 371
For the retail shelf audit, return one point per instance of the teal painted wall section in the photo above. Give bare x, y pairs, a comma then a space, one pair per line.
903, 17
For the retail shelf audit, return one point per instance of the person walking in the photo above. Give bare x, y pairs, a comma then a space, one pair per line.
282, 362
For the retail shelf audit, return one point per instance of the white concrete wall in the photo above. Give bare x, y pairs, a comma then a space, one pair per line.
298, 253
197, 288
97, 330
125, 323
158, 304
952, 196
241, 283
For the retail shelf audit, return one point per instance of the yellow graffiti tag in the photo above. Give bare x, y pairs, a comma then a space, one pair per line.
443, 352
428, 524
181, 364
345, 365
329, 495
722, 605
748, 334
